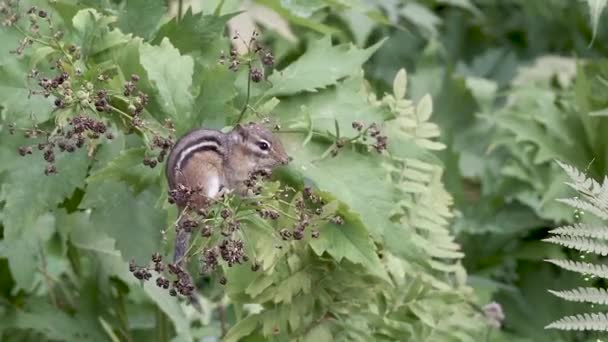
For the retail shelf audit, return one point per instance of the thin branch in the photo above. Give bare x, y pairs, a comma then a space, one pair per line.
46, 275
123, 318
222, 316
248, 94
180, 10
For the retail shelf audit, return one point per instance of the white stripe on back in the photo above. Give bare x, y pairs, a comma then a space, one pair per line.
192, 148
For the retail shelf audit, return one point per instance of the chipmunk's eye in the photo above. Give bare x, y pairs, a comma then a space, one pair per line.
264, 146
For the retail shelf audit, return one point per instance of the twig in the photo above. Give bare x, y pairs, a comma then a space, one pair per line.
47, 280
122, 315
248, 94
161, 322
249, 69
222, 316
180, 9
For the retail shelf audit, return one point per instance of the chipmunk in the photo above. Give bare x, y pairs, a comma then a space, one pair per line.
214, 162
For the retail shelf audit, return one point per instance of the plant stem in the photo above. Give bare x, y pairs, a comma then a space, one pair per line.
248, 94
180, 9
161, 326
46, 276
32, 38
130, 118
281, 212
122, 315
222, 315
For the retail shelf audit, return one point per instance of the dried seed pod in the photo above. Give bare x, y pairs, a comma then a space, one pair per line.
256, 75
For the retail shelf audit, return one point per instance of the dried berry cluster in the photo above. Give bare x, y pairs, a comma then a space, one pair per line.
309, 210
181, 284
255, 181
374, 132
141, 273
163, 146
8, 12
136, 98
81, 128
229, 250
182, 194
256, 54
93, 100
364, 134
34, 14
222, 216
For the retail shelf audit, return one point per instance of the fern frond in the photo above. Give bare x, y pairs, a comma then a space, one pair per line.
594, 321
580, 181
600, 271
581, 244
585, 206
593, 192
585, 238
584, 294
582, 230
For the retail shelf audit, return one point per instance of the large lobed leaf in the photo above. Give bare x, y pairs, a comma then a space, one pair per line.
141, 17
29, 198
171, 73
132, 220
193, 32
320, 66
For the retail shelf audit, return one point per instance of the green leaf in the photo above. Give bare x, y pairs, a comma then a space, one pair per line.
400, 84
422, 17
141, 17
54, 324
66, 11
349, 241
29, 196
258, 285
346, 102
95, 34
216, 89
128, 60
24, 251
15, 99
338, 177
132, 220
171, 74
83, 237
128, 167
303, 8
171, 307
300, 281
319, 333
296, 20
41, 54
465, 4
87, 233
193, 32
320, 66
243, 328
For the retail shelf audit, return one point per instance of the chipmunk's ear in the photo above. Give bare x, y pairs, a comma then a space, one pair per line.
240, 132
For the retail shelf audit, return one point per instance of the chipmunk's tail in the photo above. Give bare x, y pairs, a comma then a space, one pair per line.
182, 242
195, 303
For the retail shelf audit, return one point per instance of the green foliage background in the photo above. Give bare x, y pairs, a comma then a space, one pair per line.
447, 221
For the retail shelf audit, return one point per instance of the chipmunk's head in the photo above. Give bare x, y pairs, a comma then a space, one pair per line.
261, 149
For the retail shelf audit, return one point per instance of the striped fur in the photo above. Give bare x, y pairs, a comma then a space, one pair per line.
191, 143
